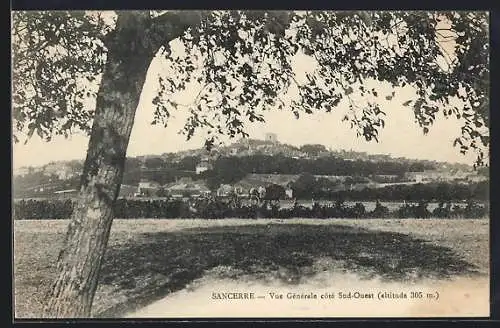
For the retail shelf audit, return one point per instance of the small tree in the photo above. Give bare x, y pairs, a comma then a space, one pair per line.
313, 150
162, 192
380, 210
275, 192
304, 186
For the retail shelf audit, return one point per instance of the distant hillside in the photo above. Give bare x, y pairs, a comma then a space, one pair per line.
241, 148
239, 162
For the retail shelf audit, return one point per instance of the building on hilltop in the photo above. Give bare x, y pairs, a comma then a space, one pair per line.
271, 137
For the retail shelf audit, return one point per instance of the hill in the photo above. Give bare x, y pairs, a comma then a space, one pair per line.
246, 163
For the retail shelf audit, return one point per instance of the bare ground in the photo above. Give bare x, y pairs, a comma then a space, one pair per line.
152, 264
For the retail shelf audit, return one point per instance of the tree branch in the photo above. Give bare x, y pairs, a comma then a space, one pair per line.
172, 24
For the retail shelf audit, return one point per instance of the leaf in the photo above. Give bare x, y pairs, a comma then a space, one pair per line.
336, 102
85, 57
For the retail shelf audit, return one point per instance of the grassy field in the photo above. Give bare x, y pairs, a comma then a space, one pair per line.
148, 259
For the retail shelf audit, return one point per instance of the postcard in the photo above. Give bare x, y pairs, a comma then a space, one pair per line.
250, 164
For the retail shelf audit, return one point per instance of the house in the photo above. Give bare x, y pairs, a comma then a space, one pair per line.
417, 177
429, 175
187, 189
262, 191
459, 174
203, 166
225, 190
259, 191
256, 179
239, 190
289, 192
385, 178
147, 187
476, 178
127, 191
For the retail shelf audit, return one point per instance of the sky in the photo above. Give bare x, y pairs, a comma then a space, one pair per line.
400, 137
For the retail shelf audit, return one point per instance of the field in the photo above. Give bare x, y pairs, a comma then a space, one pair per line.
148, 260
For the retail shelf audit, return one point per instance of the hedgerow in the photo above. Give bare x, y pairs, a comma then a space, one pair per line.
215, 208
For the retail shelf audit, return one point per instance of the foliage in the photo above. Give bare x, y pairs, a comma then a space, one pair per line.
225, 170
242, 63
319, 188
442, 191
45, 209
229, 170
419, 211
187, 163
275, 192
380, 210
162, 192
150, 208
313, 150
218, 208
58, 58
305, 185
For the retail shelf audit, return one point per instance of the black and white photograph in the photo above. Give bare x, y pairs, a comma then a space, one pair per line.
250, 164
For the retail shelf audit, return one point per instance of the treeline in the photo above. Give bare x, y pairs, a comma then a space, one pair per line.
216, 208
267, 164
232, 169
42, 209
227, 170
438, 191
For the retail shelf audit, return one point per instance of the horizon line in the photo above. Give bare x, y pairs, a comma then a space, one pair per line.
329, 149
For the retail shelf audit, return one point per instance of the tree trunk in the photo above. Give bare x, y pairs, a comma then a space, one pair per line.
123, 78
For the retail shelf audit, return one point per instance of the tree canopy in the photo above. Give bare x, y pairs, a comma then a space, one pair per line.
85, 70
243, 62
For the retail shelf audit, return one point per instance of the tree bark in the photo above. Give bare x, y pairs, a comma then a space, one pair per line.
131, 47
80, 259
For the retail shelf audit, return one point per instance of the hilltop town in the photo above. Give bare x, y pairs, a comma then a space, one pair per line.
246, 165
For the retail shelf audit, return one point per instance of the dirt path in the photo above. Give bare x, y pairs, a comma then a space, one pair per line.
459, 297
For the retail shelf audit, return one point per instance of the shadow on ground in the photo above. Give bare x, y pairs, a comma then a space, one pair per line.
156, 264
